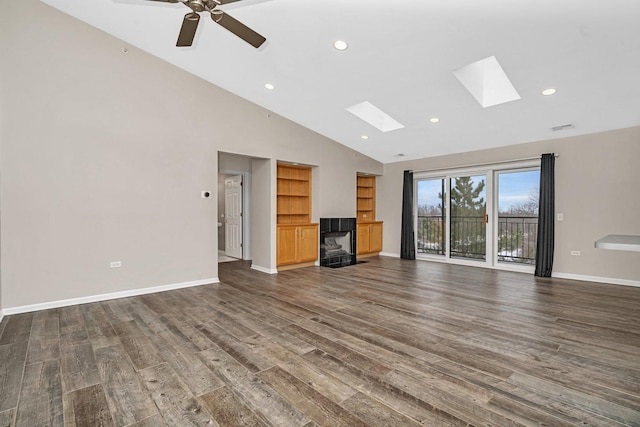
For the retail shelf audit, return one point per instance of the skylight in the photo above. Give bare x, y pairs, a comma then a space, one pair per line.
375, 116
487, 82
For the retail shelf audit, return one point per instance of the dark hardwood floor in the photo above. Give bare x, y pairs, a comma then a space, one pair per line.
387, 343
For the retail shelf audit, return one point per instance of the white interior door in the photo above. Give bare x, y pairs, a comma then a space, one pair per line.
233, 216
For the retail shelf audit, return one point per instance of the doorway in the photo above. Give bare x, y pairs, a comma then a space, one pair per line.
230, 229
233, 216
235, 206
234, 203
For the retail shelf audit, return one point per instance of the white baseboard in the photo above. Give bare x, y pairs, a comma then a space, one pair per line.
105, 297
1, 315
263, 269
389, 254
559, 275
607, 280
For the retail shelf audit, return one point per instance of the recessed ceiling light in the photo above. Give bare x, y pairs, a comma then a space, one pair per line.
269, 86
364, 137
549, 91
434, 120
340, 45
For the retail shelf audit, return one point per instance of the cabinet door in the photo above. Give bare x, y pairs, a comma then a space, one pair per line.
308, 243
362, 238
286, 245
375, 242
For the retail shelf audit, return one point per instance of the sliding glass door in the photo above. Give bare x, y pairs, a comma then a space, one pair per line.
431, 227
517, 227
478, 216
468, 221
451, 217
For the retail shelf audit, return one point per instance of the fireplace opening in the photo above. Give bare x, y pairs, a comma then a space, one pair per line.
337, 242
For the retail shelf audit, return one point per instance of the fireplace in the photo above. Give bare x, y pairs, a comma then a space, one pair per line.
337, 242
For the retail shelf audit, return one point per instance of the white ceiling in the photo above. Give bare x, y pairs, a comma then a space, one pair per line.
400, 58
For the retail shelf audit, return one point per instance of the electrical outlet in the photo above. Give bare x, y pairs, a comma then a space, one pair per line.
575, 253
116, 264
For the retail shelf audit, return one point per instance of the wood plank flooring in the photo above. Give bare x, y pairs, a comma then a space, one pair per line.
385, 343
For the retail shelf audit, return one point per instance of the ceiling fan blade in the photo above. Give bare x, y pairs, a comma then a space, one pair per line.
238, 28
188, 30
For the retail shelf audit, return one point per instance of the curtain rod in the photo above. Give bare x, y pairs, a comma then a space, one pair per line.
483, 164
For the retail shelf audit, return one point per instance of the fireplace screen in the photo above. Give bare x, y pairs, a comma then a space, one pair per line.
337, 242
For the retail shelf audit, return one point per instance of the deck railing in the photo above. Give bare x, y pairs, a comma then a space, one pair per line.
516, 237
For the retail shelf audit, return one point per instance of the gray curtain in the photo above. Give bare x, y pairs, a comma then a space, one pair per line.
407, 240
546, 217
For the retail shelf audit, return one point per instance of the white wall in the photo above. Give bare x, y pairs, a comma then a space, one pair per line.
103, 157
234, 162
597, 178
262, 226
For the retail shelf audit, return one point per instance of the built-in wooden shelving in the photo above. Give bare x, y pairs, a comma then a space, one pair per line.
366, 198
369, 231
294, 194
297, 238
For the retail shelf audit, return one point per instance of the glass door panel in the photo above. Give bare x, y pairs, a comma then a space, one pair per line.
518, 194
468, 222
431, 232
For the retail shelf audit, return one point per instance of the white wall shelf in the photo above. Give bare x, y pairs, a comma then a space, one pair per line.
619, 242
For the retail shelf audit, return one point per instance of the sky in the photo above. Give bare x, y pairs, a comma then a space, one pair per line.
514, 188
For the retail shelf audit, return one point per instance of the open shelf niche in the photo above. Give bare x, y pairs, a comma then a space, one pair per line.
366, 198
294, 194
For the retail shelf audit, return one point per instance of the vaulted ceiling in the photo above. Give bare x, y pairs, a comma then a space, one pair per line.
401, 56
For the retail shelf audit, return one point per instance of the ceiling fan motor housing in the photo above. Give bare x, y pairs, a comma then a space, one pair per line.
196, 5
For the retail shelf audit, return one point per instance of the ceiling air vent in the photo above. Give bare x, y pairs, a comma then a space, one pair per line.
562, 127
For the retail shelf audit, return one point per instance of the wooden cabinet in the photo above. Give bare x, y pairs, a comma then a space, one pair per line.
297, 244
375, 237
287, 239
369, 238
297, 238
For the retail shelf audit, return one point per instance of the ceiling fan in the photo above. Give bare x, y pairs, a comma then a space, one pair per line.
191, 19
